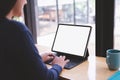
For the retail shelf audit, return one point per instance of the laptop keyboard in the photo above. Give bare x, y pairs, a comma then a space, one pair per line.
74, 61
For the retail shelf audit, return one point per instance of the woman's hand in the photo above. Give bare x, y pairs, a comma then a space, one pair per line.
47, 56
61, 61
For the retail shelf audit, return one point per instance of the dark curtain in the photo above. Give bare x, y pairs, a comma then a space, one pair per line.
104, 26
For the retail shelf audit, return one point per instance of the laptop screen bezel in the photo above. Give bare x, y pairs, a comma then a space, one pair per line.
75, 26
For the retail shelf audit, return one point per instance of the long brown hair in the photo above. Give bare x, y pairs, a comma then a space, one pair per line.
6, 6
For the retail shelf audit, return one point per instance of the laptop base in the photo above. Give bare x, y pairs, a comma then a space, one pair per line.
74, 60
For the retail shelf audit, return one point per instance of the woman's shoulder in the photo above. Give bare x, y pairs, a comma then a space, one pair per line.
13, 26
5, 21
18, 25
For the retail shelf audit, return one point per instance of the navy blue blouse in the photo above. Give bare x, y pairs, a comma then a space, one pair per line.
19, 58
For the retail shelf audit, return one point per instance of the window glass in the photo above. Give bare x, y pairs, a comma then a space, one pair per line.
117, 25
52, 12
81, 11
47, 17
66, 11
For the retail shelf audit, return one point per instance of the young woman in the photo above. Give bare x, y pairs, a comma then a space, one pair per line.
19, 58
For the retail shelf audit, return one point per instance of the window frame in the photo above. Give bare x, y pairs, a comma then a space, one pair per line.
30, 18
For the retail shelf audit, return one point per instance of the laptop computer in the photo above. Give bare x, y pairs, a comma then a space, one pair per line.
72, 41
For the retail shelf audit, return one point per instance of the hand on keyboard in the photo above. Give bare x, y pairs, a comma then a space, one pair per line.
47, 56
61, 61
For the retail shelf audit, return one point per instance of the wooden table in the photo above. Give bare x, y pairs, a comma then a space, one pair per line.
102, 71
95, 68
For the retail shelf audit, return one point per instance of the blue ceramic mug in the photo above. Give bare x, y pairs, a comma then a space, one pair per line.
113, 59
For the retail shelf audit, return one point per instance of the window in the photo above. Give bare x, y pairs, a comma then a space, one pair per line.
52, 12
117, 25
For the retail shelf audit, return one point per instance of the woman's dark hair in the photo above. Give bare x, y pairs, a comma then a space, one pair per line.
6, 6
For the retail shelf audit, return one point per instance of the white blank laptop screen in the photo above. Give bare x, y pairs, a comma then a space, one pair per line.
71, 39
